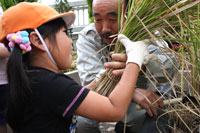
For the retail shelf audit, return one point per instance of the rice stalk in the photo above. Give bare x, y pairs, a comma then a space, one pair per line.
176, 21
142, 20
188, 119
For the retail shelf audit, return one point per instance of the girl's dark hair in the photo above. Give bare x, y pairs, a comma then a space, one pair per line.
18, 81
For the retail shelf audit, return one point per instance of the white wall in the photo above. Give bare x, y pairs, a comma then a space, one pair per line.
50, 2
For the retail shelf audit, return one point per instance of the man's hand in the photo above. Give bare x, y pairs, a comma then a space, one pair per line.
118, 65
137, 52
146, 99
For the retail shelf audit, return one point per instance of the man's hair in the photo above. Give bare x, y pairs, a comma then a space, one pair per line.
126, 3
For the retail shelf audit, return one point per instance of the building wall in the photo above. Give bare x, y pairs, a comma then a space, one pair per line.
80, 8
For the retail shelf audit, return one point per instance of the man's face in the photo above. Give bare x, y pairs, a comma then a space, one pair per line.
105, 14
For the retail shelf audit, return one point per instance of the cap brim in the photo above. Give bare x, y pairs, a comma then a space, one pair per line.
68, 17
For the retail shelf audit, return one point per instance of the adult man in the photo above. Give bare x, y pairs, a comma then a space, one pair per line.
91, 49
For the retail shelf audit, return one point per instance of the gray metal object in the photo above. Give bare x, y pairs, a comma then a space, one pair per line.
74, 75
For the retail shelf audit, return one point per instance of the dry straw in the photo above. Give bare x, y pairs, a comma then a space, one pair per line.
177, 21
141, 21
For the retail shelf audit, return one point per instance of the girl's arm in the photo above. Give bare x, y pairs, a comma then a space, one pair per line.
114, 107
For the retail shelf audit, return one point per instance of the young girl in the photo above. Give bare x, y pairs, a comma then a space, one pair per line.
42, 100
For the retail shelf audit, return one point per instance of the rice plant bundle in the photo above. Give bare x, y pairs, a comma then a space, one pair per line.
142, 19
177, 21
185, 117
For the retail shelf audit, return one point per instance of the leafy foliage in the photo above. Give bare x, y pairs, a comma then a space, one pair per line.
8, 3
62, 6
89, 2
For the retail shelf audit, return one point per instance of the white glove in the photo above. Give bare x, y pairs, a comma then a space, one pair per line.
137, 52
99, 74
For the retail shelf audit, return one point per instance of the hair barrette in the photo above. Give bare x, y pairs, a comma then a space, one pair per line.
21, 38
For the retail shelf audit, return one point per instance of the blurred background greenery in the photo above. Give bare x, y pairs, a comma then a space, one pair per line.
8, 3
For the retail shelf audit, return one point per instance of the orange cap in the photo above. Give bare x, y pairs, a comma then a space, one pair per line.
26, 15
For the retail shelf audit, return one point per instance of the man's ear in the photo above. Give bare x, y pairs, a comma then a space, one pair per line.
35, 41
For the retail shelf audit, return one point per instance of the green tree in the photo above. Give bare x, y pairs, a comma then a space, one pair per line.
89, 2
8, 3
62, 6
